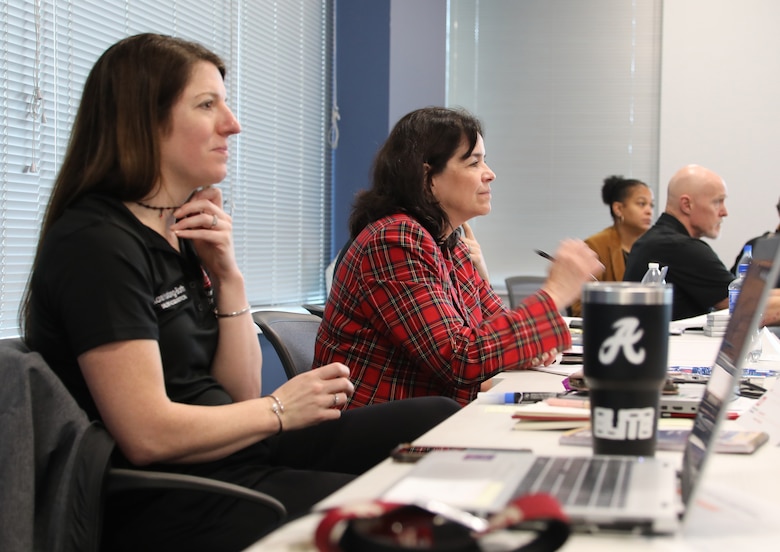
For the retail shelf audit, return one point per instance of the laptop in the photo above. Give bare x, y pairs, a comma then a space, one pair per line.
611, 493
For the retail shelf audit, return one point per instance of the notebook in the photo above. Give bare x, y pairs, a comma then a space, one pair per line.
612, 493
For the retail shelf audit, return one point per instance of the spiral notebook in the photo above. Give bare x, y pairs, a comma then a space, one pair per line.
614, 493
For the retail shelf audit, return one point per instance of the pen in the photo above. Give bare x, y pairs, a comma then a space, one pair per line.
759, 372
551, 258
514, 398
707, 371
544, 254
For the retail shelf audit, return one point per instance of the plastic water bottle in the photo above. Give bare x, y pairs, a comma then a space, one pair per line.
756, 347
653, 275
746, 258
736, 286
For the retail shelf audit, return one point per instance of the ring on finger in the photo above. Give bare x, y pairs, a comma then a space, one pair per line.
335, 399
214, 221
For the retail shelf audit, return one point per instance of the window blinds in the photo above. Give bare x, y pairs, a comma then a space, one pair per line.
278, 55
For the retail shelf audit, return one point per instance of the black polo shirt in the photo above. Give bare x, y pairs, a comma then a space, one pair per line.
699, 277
102, 277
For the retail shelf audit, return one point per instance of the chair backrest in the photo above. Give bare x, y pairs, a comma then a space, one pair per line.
46, 503
292, 335
55, 476
319, 310
520, 287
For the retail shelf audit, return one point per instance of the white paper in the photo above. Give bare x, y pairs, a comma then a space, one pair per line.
455, 492
770, 346
676, 327
764, 415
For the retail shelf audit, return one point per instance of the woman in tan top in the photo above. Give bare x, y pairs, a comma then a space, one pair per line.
631, 205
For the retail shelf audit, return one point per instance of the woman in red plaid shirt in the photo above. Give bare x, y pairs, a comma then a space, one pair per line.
411, 311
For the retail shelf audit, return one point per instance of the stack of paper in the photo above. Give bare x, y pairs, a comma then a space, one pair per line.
716, 322
544, 416
729, 440
676, 327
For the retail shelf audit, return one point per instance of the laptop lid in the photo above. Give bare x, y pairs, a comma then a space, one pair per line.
729, 362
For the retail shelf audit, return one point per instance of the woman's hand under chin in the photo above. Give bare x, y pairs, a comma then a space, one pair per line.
202, 220
475, 251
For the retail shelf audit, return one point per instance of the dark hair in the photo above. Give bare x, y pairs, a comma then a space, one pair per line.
418, 148
114, 144
617, 188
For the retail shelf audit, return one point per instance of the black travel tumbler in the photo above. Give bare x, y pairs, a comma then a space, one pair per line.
625, 332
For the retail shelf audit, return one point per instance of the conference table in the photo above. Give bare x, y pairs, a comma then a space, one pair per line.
737, 507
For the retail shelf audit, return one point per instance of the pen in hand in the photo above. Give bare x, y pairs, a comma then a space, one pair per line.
551, 258
544, 254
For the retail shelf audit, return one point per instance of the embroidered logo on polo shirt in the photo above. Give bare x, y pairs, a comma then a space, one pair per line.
170, 299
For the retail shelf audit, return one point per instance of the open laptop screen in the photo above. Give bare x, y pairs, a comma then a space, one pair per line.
728, 364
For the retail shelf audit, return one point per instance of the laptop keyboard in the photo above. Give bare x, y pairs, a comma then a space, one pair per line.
579, 481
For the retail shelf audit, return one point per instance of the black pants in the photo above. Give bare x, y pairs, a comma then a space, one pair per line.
299, 468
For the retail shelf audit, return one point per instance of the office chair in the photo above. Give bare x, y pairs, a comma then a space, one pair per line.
520, 287
55, 464
318, 310
292, 335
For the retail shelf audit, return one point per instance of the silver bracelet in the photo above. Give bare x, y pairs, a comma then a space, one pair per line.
278, 403
275, 410
232, 314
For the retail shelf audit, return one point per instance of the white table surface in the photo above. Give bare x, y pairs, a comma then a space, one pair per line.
737, 508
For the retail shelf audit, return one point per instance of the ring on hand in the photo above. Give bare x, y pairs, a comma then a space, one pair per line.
214, 221
335, 399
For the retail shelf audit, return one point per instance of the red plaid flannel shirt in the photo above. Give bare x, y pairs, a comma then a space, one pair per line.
410, 319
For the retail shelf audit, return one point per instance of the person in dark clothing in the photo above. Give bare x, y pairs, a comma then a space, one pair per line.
752, 242
695, 208
137, 302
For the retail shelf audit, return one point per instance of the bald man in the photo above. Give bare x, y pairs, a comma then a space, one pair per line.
695, 208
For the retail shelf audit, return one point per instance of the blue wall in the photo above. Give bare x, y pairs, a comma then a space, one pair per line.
273, 373
363, 73
374, 40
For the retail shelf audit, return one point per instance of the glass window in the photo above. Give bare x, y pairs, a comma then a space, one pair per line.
568, 92
278, 55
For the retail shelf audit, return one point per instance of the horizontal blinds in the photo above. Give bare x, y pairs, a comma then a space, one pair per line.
285, 163
278, 187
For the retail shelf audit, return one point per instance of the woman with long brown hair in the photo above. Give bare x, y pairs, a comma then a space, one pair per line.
138, 304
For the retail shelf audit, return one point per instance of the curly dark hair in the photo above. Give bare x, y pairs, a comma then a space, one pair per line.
418, 148
617, 188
